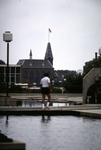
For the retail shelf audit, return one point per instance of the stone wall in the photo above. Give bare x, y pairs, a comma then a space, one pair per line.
88, 80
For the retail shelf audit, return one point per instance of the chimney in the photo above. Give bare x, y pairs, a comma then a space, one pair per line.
96, 55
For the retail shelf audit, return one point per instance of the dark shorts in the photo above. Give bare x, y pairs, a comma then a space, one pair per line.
45, 90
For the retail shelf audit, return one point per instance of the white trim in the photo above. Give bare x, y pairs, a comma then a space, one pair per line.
10, 65
50, 63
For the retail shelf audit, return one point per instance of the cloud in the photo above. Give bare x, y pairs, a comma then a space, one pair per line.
75, 25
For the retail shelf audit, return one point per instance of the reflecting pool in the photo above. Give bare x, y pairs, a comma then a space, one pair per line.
35, 103
53, 132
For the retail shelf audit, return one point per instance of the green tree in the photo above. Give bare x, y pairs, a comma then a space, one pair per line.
73, 83
92, 64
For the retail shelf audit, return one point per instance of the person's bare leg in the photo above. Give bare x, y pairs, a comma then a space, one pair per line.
49, 98
43, 99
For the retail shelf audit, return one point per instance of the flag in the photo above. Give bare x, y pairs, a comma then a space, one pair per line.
50, 31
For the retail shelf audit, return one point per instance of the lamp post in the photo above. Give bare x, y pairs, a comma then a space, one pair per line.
7, 37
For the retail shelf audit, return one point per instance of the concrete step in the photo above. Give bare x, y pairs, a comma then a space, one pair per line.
61, 110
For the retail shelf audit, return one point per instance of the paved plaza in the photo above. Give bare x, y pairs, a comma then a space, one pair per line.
78, 109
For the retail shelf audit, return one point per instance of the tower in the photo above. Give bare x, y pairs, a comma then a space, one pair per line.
30, 55
48, 54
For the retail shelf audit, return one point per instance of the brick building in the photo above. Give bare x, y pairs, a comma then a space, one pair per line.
14, 73
32, 70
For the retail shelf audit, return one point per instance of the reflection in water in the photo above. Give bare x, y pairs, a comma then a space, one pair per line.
45, 119
61, 133
6, 120
35, 103
60, 104
19, 103
30, 103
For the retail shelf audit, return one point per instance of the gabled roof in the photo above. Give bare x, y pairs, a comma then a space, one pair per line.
35, 63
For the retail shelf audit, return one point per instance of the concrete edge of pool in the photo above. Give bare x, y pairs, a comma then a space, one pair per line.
91, 110
15, 145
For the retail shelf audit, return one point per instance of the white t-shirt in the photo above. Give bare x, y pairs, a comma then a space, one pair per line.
45, 82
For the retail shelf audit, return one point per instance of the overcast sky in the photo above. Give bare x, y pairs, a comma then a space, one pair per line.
75, 26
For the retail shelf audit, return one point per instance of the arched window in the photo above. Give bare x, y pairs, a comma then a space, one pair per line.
42, 74
49, 73
25, 75
31, 77
37, 77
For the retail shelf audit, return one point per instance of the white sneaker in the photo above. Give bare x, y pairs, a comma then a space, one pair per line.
43, 108
47, 107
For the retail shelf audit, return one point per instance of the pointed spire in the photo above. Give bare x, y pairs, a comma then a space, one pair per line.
30, 55
49, 55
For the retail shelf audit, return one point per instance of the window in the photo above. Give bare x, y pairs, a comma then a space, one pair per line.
49, 73
17, 78
31, 77
37, 77
17, 69
42, 74
25, 75
12, 69
13, 79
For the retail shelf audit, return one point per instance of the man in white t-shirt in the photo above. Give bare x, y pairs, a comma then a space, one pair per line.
45, 89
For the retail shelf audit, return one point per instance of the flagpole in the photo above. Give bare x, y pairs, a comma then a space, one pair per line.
48, 36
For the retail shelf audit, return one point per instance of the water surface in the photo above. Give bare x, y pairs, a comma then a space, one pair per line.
53, 132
